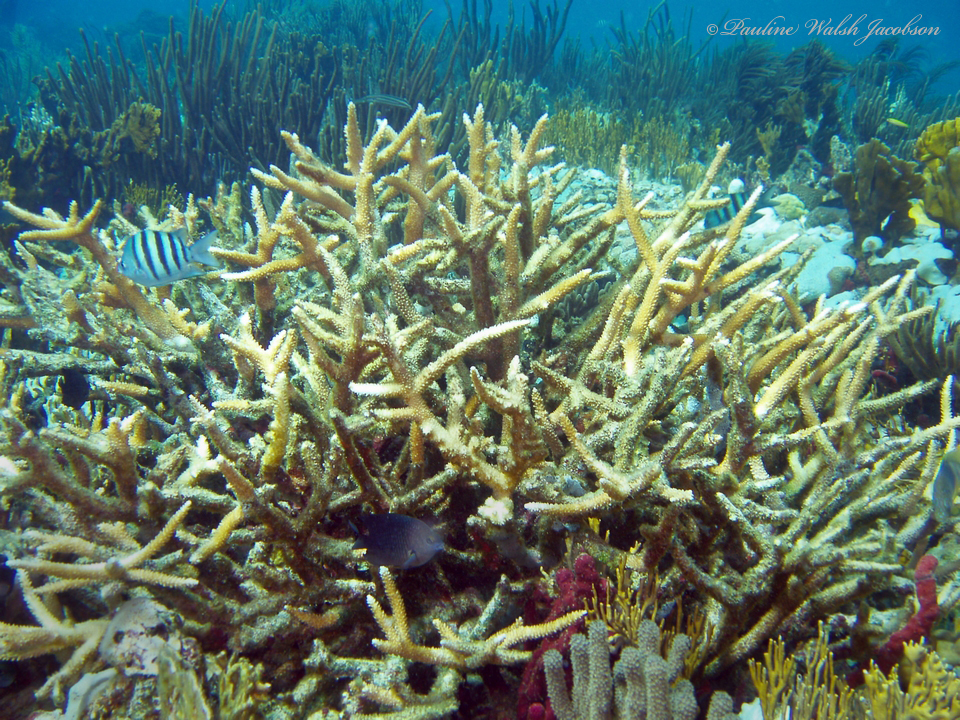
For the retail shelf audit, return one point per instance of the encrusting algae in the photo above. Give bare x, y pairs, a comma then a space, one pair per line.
381, 341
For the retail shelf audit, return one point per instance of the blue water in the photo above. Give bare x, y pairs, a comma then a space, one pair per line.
590, 21
56, 21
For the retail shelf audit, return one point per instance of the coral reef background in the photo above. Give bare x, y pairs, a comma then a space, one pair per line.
537, 379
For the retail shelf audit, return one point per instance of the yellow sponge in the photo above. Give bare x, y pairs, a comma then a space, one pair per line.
938, 148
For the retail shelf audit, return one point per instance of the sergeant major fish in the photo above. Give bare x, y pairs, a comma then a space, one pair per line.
397, 540
738, 198
154, 258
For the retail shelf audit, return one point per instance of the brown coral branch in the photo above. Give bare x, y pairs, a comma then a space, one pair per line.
126, 567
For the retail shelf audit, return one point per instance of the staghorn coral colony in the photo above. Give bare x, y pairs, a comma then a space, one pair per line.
672, 477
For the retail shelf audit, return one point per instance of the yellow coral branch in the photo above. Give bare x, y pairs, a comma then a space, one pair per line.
459, 650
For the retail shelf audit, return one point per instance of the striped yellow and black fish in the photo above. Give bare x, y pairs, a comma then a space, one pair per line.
155, 258
723, 215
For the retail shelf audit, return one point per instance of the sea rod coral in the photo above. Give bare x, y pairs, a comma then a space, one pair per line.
386, 339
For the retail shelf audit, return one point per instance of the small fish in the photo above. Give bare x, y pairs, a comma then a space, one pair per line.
153, 258
897, 123
723, 215
945, 485
384, 99
74, 388
397, 540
